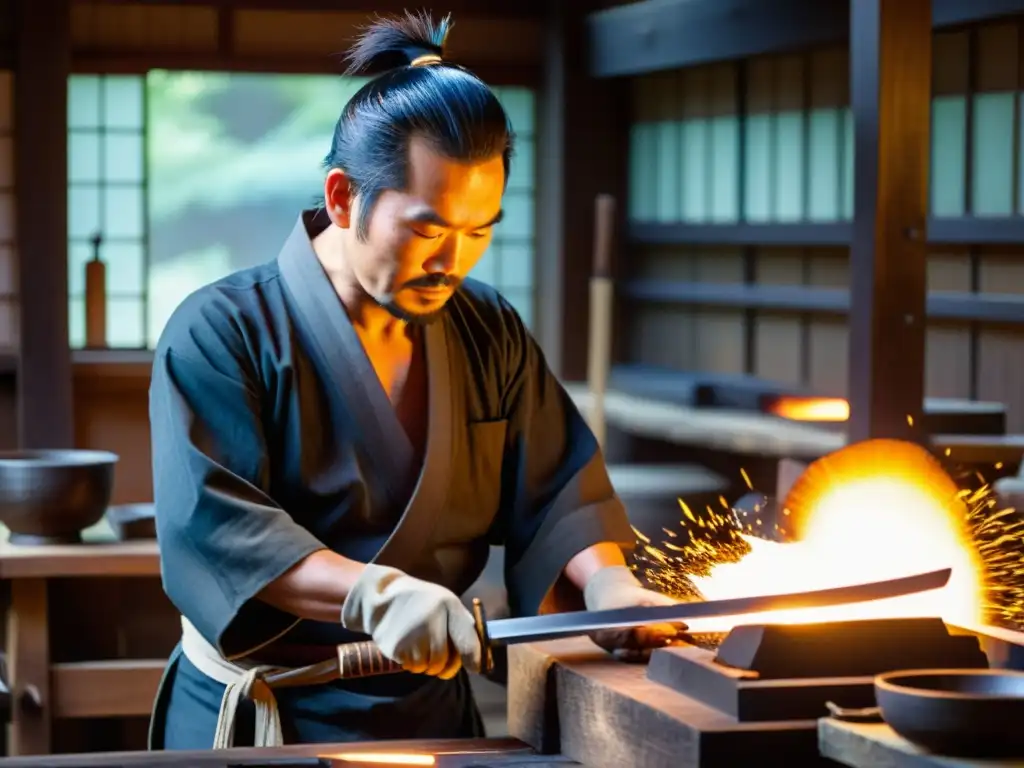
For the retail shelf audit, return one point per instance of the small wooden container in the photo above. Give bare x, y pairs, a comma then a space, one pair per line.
96, 298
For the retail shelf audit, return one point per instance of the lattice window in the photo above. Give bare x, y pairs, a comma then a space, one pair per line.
508, 264
235, 156
107, 197
764, 140
192, 175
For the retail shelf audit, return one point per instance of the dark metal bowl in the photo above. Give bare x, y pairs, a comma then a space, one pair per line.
51, 496
956, 712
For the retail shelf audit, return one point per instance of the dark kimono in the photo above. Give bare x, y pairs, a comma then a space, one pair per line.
273, 438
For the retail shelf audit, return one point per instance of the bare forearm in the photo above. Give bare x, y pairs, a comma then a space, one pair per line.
315, 588
591, 560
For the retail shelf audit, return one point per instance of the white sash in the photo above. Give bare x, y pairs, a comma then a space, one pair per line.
241, 681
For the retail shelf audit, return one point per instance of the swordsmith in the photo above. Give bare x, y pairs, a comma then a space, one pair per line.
364, 659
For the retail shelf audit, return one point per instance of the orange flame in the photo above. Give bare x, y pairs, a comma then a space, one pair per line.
874, 510
384, 758
833, 409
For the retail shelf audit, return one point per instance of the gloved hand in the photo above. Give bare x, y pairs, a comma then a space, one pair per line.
616, 587
422, 626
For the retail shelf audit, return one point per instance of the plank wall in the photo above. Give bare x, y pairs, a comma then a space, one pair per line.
770, 139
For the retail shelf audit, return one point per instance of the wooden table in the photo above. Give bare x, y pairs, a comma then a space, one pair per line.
876, 745
42, 691
496, 753
749, 433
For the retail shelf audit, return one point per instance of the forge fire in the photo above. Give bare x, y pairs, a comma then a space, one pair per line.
874, 510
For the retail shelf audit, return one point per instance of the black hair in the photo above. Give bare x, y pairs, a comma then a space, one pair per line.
445, 104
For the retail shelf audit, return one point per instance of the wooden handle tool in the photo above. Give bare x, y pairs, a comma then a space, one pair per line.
602, 295
365, 659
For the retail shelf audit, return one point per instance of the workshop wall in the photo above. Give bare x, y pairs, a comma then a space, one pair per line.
770, 140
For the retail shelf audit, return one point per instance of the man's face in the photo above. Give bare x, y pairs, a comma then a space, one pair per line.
423, 241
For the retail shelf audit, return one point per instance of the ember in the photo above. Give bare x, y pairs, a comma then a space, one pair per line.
384, 758
810, 408
874, 510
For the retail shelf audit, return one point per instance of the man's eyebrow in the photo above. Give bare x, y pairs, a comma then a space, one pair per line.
495, 220
426, 215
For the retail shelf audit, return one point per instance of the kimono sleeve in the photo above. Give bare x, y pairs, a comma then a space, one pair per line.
221, 538
557, 498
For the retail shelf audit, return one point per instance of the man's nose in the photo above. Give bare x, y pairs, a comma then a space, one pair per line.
446, 259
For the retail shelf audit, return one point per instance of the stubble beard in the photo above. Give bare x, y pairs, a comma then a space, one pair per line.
392, 307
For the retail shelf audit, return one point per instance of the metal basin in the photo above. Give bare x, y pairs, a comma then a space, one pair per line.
956, 712
51, 496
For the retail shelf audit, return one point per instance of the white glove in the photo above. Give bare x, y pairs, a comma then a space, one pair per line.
422, 626
616, 587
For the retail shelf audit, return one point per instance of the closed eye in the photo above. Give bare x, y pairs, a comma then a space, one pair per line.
425, 236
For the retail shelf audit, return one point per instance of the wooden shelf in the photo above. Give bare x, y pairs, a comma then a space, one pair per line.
969, 230
100, 554
943, 305
742, 234
95, 363
112, 363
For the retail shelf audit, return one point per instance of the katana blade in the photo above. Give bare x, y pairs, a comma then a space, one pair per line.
530, 629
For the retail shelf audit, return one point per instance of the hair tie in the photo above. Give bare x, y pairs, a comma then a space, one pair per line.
426, 58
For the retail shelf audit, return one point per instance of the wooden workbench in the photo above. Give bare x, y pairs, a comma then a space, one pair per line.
499, 753
571, 698
876, 745
755, 434
42, 691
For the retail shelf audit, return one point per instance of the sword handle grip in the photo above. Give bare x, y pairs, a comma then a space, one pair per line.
365, 659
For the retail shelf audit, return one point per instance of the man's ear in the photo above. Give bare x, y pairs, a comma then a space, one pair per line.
338, 197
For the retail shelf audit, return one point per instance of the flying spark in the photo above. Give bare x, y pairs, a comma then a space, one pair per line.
997, 534
715, 537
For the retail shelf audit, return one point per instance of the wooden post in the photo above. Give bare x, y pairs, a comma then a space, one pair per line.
582, 151
40, 119
28, 664
890, 85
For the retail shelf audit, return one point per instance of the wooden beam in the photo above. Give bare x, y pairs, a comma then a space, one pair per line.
225, 31
890, 84
40, 119
670, 34
656, 35
132, 62
520, 9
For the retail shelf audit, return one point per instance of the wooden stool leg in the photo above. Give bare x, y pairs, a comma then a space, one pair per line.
28, 662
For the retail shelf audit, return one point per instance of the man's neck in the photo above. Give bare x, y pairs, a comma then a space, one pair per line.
372, 322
